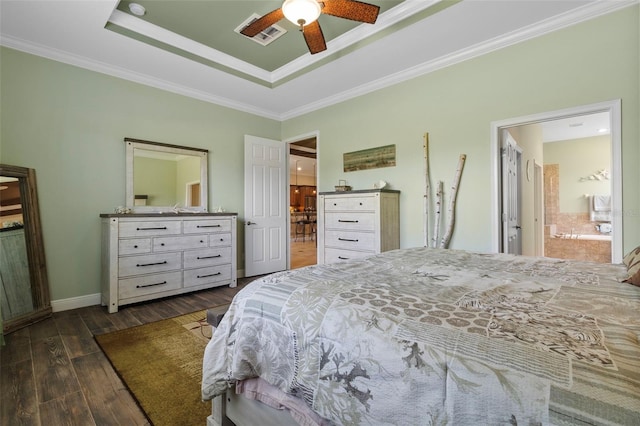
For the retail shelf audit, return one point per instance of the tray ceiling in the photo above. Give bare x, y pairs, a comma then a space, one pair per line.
190, 47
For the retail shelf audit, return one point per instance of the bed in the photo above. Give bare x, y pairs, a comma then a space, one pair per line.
433, 336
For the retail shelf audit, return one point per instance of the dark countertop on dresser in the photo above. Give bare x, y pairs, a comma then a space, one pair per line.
167, 214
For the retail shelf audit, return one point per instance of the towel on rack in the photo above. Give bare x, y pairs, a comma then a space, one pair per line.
600, 208
602, 203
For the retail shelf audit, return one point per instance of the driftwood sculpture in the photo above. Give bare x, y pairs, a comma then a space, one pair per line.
446, 238
427, 189
452, 203
436, 224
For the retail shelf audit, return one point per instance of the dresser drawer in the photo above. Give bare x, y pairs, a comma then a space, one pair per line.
220, 240
350, 240
350, 203
207, 225
332, 255
188, 242
134, 246
147, 256
149, 228
203, 276
208, 257
149, 284
149, 264
349, 220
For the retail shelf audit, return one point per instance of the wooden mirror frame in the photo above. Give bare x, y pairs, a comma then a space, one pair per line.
133, 144
35, 248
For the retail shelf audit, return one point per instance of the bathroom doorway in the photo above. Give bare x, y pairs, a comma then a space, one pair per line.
570, 158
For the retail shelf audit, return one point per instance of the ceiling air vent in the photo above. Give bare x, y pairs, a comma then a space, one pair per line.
265, 37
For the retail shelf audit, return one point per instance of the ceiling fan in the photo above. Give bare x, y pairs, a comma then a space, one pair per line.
305, 13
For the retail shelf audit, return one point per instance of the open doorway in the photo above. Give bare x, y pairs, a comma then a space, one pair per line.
302, 202
569, 159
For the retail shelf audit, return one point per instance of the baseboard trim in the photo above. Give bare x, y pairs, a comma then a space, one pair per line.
75, 302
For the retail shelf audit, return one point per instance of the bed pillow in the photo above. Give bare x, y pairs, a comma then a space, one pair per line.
632, 262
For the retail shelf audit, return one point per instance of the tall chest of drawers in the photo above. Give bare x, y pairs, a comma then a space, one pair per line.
356, 224
147, 256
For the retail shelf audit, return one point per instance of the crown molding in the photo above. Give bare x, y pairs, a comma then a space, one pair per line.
568, 19
119, 72
397, 14
357, 34
576, 16
155, 32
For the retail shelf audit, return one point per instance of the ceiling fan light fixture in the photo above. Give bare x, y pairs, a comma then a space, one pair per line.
301, 12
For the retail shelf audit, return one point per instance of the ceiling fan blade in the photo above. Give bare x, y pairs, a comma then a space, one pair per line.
262, 23
314, 38
351, 9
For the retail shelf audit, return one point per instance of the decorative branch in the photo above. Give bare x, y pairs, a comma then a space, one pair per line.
427, 189
444, 243
436, 225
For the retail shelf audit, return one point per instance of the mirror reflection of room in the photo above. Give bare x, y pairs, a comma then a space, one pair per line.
14, 265
163, 177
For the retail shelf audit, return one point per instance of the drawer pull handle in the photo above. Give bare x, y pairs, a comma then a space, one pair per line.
151, 229
208, 226
343, 258
151, 264
162, 244
209, 275
150, 285
347, 239
136, 246
347, 221
208, 257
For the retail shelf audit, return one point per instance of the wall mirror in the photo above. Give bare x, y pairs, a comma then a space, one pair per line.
165, 178
23, 271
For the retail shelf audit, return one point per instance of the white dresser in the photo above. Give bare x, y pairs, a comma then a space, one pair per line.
146, 256
356, 224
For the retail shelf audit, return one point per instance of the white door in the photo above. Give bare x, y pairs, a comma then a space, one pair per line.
511, 196
265, 206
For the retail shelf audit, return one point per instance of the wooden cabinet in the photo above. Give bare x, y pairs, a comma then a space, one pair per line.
305, 198
147, 256
356, 224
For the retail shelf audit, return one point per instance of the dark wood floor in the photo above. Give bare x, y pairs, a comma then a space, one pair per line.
54, 373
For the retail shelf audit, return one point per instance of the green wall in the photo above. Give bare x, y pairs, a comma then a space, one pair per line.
156, 179
584, 64
188, 171
69, 124
578, 159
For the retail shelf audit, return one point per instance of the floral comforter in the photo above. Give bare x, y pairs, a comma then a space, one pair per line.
430, 336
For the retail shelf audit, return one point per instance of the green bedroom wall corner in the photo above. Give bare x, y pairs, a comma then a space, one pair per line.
69, 124
456, 106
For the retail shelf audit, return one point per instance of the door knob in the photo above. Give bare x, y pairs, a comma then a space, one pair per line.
251, 223
518, 227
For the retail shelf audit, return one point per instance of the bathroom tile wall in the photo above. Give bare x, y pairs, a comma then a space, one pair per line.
558, 223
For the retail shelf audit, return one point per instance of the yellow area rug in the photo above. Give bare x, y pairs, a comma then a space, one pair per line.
161, 364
